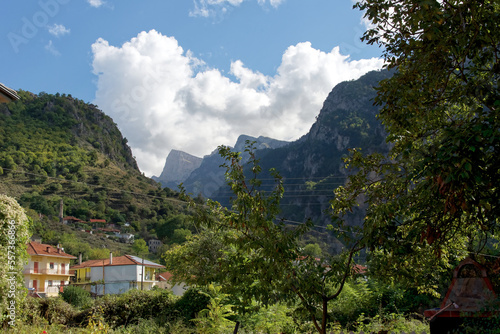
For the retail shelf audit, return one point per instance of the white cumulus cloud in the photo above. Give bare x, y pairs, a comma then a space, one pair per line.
58, 30
164, 98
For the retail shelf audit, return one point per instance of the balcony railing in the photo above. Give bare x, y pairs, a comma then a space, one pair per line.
46, 271
85, 279
50, 289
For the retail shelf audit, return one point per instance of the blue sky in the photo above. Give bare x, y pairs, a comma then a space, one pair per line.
183, 74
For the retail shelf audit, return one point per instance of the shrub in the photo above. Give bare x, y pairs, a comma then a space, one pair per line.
14, 235
57, 311
192, 302
76, 296
134, 305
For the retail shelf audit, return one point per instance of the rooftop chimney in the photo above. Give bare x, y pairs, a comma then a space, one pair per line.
110, 258
80, 258
48, 249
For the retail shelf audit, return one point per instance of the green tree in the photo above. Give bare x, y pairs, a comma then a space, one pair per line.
140, 247
14, 235
313, 250
98, 253
214, 318
435, 196
252, 255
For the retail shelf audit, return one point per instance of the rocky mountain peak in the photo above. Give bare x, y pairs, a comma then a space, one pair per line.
178, 166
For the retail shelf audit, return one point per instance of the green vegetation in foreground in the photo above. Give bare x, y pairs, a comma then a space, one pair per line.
158, 311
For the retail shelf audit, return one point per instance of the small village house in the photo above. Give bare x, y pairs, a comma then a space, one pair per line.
47, 271
116, 275
72, 220
165, 282
153, 245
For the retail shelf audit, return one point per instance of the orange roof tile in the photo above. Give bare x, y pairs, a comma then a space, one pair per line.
72, 218
166, 276
125, 260
35, 248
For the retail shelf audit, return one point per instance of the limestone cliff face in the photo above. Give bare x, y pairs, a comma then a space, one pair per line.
209, 177
312, 167
178, 166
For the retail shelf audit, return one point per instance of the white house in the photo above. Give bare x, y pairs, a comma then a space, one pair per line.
116, 275
165, 282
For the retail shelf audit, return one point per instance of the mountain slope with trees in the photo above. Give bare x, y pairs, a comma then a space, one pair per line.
55, 147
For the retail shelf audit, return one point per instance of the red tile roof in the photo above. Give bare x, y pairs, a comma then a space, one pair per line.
125, 260
97, 220
359, 269
166, 276
35, 248
72, 218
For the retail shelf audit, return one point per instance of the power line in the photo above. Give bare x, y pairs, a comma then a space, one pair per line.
96, 186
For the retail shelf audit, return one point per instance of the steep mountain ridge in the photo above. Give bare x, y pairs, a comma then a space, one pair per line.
312, 167
178, 167
209, 177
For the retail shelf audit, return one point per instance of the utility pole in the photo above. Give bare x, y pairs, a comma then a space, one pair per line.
142, 275
103, 279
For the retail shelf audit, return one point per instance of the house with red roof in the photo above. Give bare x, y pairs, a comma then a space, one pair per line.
71, 220
116, 275
165, 282
47, 271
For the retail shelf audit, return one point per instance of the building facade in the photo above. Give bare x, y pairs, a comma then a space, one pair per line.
47, 271
116, 275
153, 245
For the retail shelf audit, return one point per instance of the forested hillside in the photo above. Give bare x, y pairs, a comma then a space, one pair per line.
55, 147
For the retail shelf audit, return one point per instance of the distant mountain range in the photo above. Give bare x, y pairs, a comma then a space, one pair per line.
312, 166
203, 176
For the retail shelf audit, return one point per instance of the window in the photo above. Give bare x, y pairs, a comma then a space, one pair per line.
51, 265
50, 282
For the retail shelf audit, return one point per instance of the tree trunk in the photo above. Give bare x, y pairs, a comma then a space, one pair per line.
236, 327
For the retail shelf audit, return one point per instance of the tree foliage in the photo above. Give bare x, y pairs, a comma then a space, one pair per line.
14, 235
436, 192
252, 255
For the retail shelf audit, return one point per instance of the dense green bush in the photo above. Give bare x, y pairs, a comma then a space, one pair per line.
134, 305
192, 302
76, 296
56, 311
371, 298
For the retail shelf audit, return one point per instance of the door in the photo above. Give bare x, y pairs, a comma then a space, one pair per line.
35, 266
35, 283
63, 268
